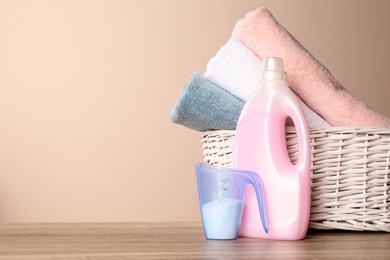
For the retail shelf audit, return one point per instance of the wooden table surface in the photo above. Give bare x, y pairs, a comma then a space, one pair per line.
179, 240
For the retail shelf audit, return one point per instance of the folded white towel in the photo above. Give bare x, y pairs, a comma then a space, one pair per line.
236, 69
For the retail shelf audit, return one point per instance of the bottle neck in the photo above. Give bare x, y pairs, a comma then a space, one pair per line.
272, 75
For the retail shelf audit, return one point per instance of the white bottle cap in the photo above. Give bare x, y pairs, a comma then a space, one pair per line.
273, 69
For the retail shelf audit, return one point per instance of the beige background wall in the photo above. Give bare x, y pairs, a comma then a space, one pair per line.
86, 88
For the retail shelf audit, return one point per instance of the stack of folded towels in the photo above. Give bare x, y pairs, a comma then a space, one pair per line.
214, 101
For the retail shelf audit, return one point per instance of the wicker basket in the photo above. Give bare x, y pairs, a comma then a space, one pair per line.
350, 174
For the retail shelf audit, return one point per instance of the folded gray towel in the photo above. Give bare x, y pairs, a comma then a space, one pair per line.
204, 106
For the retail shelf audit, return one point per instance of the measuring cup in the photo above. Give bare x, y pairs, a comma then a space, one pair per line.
221, 193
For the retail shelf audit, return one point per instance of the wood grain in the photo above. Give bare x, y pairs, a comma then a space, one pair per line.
178, 240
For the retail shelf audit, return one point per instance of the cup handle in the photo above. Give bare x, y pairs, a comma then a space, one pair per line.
255, 180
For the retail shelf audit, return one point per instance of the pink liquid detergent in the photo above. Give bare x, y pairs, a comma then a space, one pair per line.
260, 146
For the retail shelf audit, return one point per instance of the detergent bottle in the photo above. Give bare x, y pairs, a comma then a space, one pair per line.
260, 146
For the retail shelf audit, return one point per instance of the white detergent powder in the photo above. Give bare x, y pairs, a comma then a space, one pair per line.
221, 218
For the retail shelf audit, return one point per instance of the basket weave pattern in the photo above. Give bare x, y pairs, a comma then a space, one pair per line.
350, 174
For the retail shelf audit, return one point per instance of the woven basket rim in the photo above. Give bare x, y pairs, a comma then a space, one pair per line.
354, 129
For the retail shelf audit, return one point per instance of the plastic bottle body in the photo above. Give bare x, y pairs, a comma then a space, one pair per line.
260, 146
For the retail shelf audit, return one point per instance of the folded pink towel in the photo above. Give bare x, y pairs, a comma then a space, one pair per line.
315, 85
